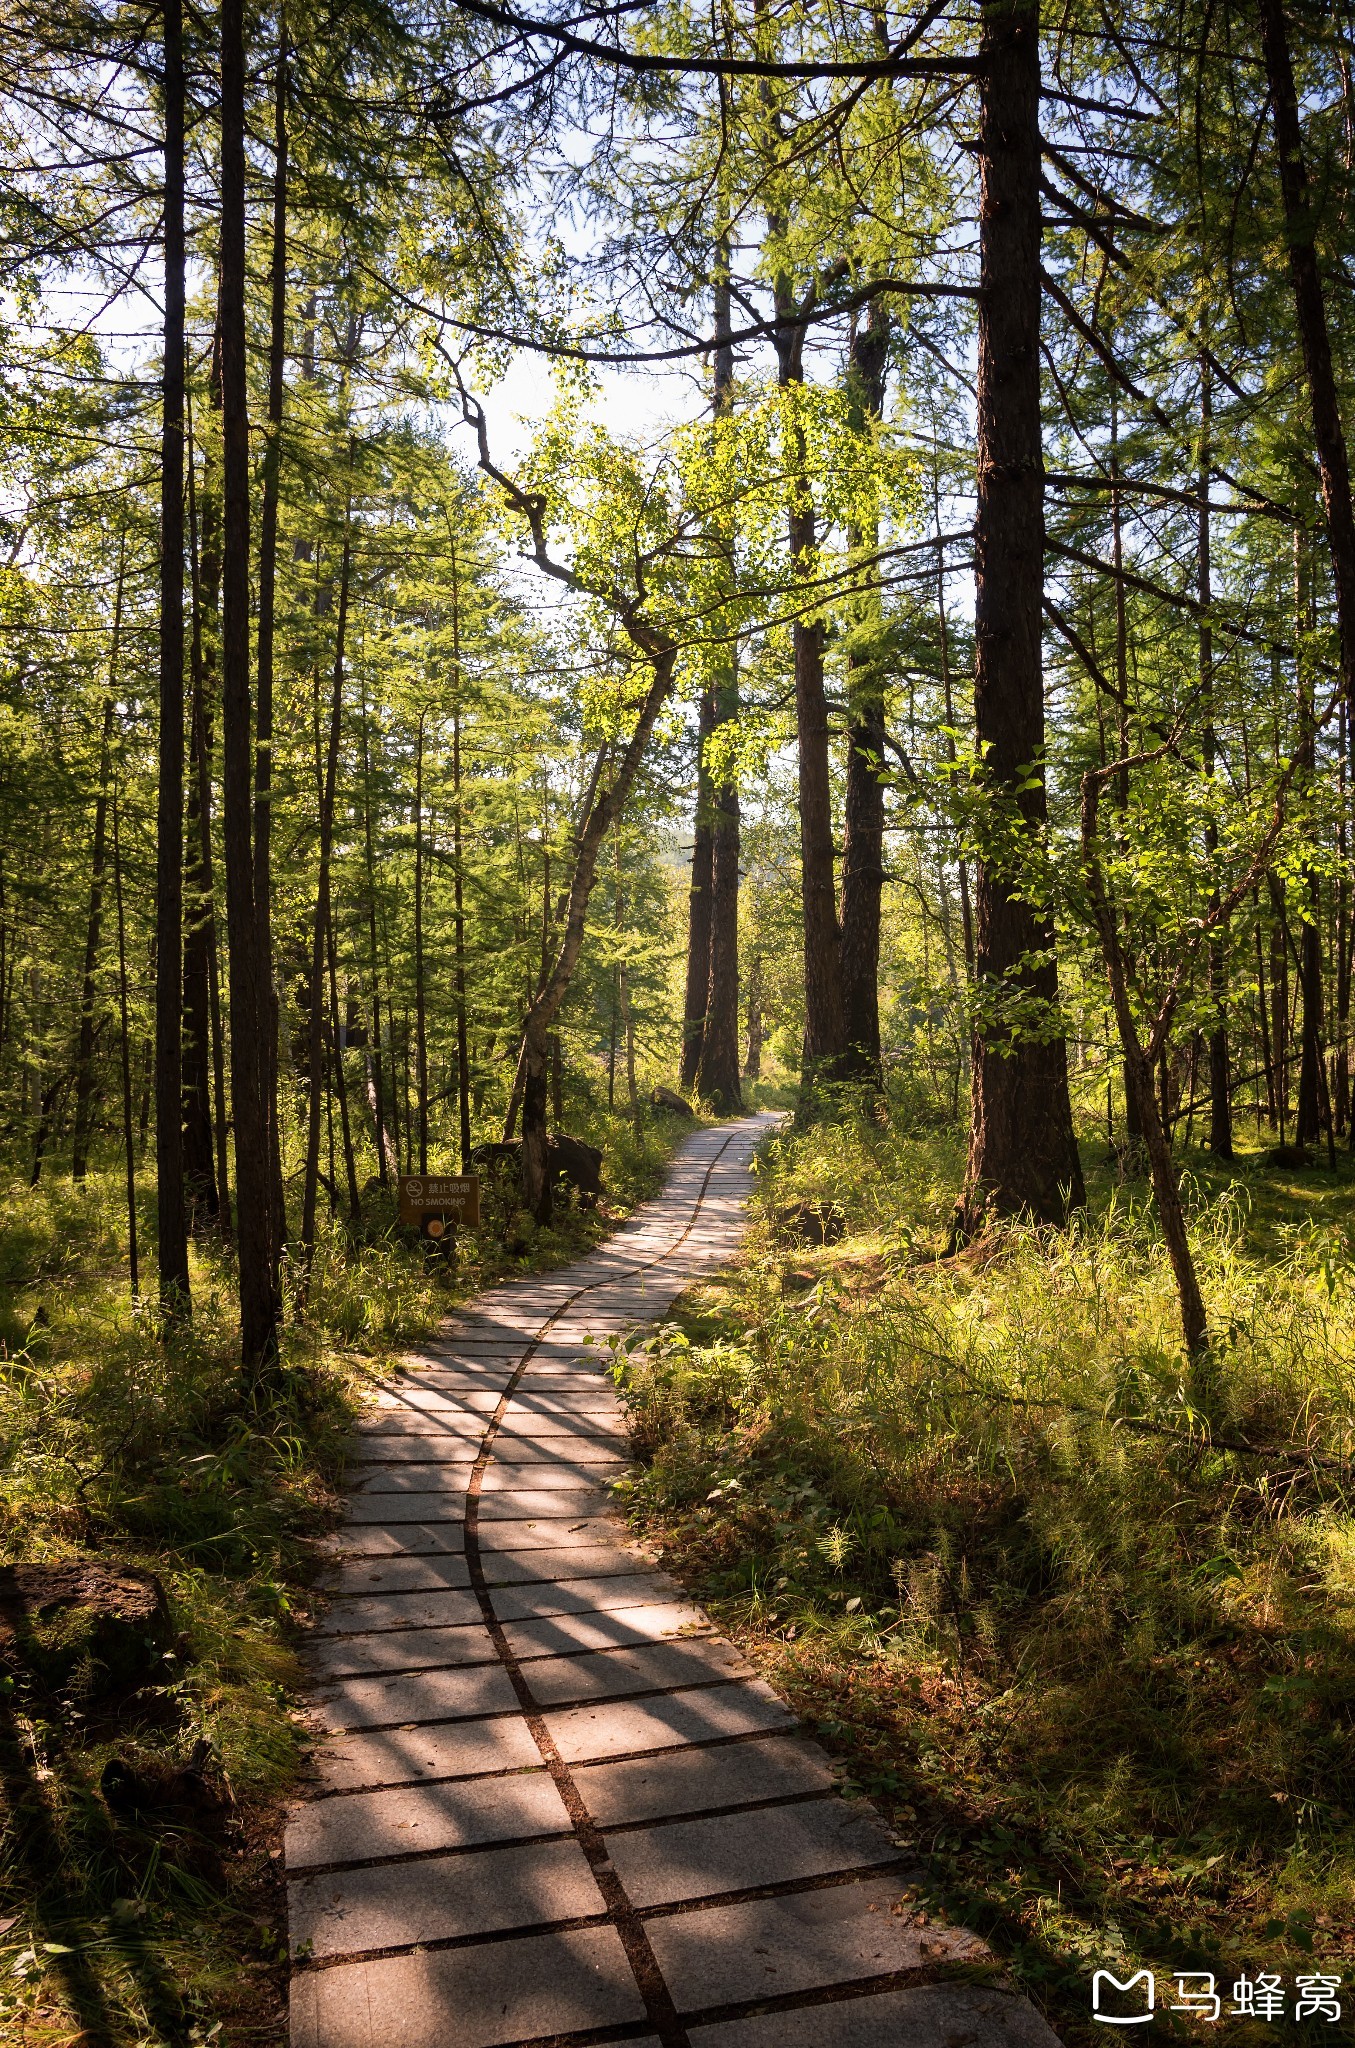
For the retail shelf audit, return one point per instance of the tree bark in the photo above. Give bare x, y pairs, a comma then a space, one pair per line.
752, 1065
84, 1056
249, 1008
458, 889
1023, 1154
327, 778
263, 709
172, 1229
717, 1076
1220, 1093
420, 992
864, 814
129, 1150
699, 905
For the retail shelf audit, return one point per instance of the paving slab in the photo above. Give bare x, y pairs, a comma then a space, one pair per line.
604, 1629
360, 1827
693, 1780
525, 1475
431, 1607
425, 1506
767, 1948
933, 2016
398, 1574
403, 1756
403, 1649
459, 1446
437, 1898
416, 1696
621, 1728
524, 1503
559, 1530
600, 1674
407, 1539
699, 1859
527, 1989
445, 1475
584, 1595
547, 1565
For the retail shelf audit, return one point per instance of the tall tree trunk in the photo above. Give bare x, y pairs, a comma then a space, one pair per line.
699, 904
1220, 1094
601, 811
1308, 1113
172, 1229
205, 557
249, 1009
327, 779
752, 1064
420, 991
125, 1037
340, 1077
199, 945
458, 895
1022, 1155
375, 1064
864, 814
84, 1056
717, 1076
263, 709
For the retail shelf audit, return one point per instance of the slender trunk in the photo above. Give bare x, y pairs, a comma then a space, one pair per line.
420, 1003
327, 779
249, 1009
375, 1069
1023, 1154
199, 933
263, 717
717, 1075
1308, 1115
1220, 1097
1341, 942
864, 814
205, 556
340, 1075
172, 1230
129, 1152
752, 1064
84, 1056
699, 905
601, 812
458, 898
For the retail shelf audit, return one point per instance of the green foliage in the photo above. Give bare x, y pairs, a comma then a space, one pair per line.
1091, 1652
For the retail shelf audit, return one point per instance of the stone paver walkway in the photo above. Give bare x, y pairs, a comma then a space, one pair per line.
554, 1807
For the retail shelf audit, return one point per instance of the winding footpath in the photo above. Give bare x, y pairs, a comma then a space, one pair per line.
553, 1808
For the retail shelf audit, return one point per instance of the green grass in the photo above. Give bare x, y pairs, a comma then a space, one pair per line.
1098, 1667
127, 1443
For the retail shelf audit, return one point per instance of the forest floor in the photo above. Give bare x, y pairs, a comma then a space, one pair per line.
161, 1918
1084, 1631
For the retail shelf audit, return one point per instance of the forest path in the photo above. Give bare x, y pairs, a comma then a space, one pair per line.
557, 1808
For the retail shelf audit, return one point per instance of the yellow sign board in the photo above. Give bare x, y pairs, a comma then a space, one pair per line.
455, 1196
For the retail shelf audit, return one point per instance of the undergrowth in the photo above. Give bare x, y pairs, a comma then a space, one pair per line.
1087, 1636
132, 1443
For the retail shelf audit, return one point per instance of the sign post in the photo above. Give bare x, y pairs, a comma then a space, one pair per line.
434, 1203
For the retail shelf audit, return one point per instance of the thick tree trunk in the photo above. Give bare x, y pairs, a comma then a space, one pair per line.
199, 1158
172, 1229
84, 1055
825, 1037
1023, 1155
249, 1007
717, 1075
699, 905
864, 812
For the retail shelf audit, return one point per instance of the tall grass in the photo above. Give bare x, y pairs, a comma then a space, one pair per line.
1086, 1625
